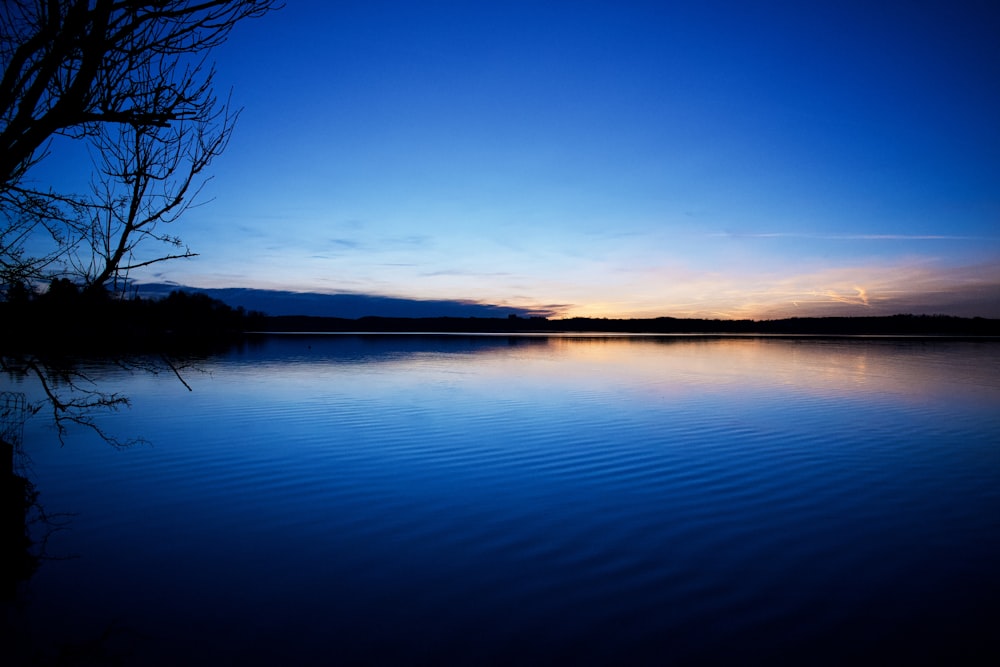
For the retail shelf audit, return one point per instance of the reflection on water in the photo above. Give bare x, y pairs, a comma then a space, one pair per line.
476, 499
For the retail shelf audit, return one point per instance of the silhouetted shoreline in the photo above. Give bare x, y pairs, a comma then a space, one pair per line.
66, 320
895, 325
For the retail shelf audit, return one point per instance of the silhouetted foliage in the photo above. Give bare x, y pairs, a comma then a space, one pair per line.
67, 319
130, 78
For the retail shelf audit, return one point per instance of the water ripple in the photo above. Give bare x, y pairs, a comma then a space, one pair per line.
583, 501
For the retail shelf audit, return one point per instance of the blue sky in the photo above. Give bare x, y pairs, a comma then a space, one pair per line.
719, 159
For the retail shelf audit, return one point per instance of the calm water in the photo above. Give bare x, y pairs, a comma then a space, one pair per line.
471, 500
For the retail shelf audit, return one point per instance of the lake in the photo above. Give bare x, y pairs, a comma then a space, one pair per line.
438, 500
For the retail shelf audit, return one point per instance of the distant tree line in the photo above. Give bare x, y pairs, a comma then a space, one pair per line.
67, 317
895, 325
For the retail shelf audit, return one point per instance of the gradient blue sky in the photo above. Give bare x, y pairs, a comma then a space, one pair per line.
711, 159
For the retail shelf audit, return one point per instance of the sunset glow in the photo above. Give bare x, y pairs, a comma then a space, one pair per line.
721, 160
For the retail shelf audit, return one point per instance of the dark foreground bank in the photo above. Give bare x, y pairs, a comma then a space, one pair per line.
68, 320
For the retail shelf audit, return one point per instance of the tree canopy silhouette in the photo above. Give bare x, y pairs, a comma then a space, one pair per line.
131, 79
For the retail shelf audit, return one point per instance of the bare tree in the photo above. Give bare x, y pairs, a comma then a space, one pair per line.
146, 177
131, 80
129, 77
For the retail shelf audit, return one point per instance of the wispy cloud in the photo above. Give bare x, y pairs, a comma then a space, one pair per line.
351, 244
414, 240
854, 299
852, 237
461, 272
877, 289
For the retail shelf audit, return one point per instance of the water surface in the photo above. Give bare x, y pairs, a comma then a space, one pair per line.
528, 500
